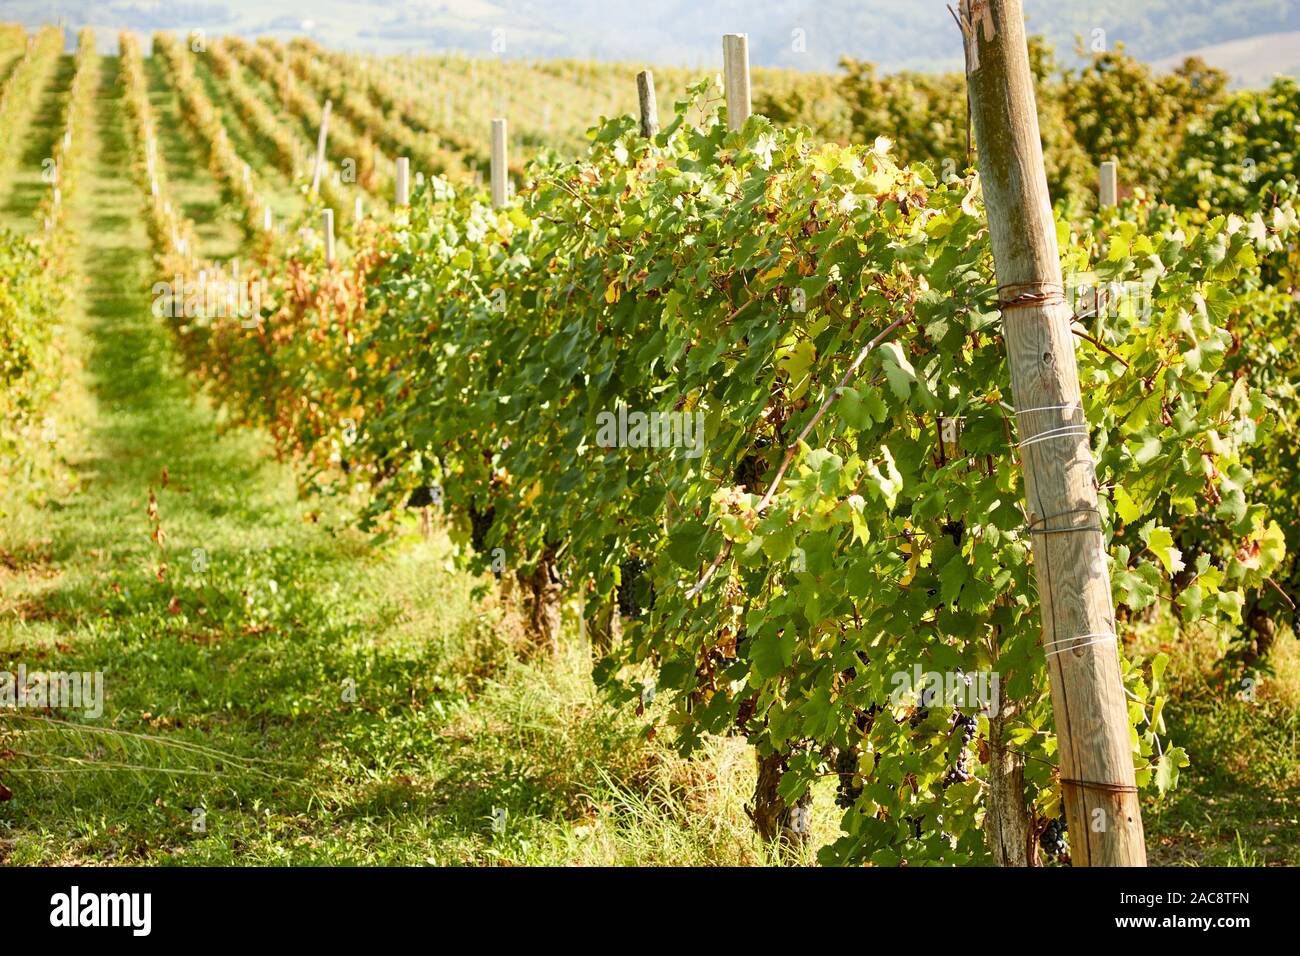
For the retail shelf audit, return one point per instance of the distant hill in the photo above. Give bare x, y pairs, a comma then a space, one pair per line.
1253, 61
803, 34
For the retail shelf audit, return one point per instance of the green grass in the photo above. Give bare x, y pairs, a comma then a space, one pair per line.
1238, 804
230, 645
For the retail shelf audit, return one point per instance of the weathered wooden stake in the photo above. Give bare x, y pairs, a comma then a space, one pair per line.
1108, 194
500, 173
645, 90
320, 147
1079, 636
403, 180
735, 78
327, 227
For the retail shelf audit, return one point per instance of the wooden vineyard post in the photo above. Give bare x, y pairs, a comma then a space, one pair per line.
645, 91
1079, 638
327, 228
774, 819
320, 147
403, 197
1108, 188
500, 174
735, 78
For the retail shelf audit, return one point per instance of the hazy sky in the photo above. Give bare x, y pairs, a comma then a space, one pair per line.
803, 34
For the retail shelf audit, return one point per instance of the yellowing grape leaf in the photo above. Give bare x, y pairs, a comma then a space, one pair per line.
1126, 506
1161, 544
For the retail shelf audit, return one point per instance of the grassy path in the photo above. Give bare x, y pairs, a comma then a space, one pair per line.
276, 690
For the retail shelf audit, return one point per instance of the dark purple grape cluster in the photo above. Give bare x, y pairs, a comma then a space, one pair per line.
1053, 840
848, 789
633, 589
421, 497
479, 523
960, 772
966, 725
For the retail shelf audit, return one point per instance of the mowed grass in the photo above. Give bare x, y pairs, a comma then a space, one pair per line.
1238, 804
277, 689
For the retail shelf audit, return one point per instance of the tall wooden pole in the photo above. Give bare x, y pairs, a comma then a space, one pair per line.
1108, 191
645, 90
320, 147
500, 174
1079, 638
735, 78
